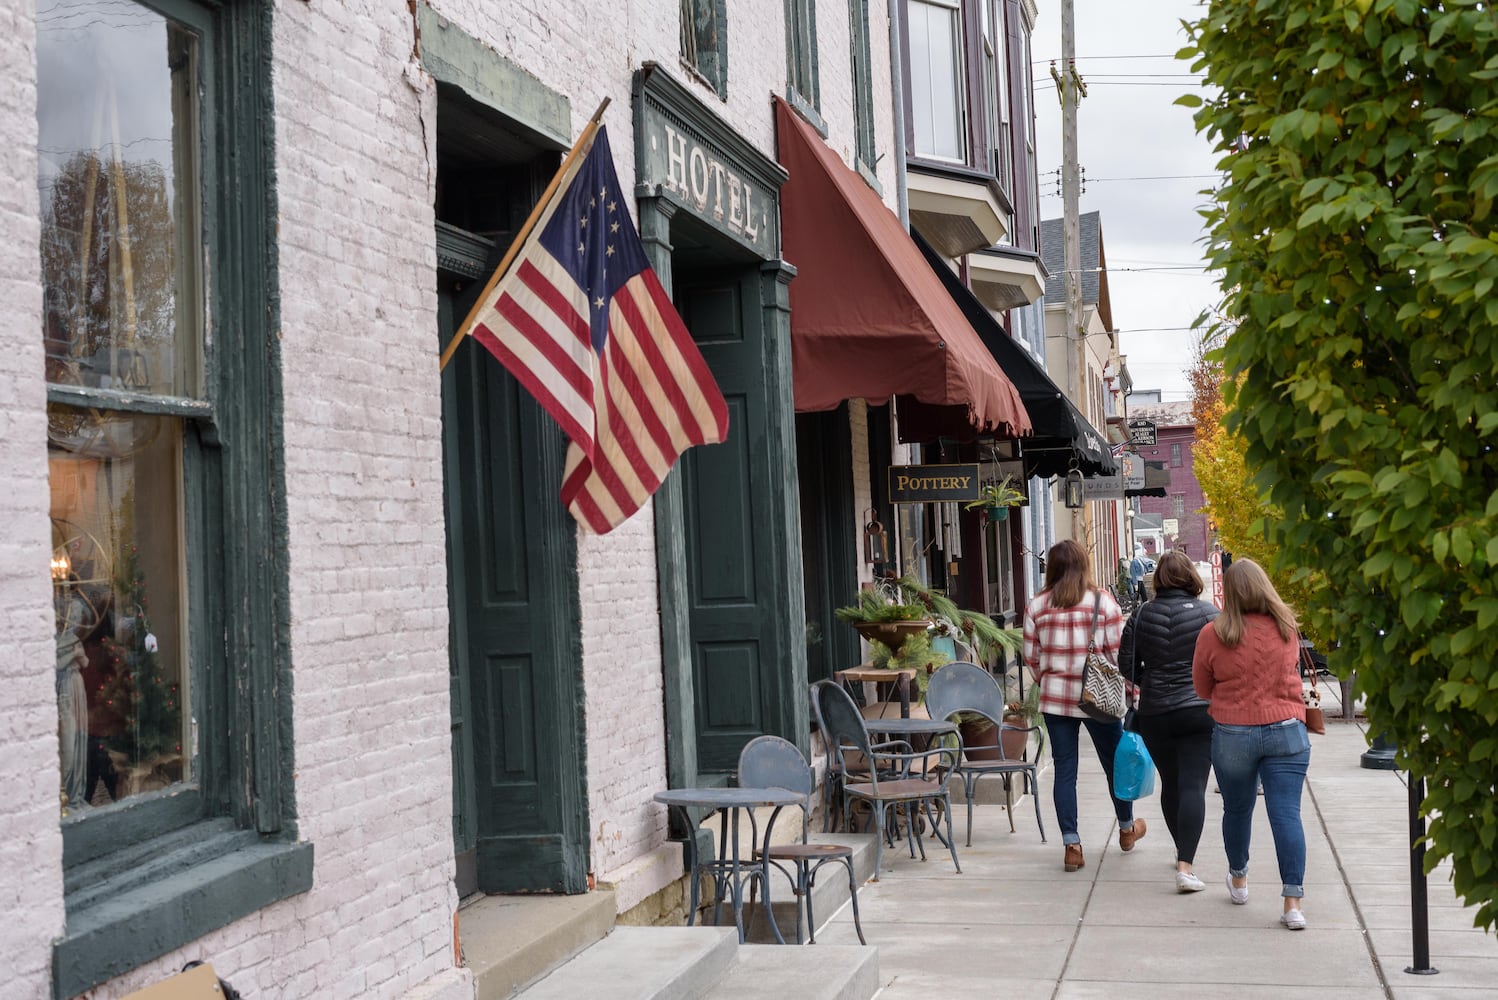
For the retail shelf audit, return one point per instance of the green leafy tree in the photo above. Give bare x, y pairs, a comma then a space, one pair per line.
1358, 248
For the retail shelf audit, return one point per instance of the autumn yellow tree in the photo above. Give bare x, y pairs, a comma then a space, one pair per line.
1234, 501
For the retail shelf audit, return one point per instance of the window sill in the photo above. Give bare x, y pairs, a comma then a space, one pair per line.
109, 933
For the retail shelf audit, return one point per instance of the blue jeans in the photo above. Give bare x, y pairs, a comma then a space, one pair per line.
1277, 755
1064, 731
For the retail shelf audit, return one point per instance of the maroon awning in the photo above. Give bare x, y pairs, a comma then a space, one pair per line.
869, 318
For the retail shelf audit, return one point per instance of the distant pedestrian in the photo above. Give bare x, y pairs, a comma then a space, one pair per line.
1155, 654
1136, 575
1246, 666
1058, 621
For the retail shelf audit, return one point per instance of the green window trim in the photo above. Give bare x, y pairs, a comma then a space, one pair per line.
866, 155
704, 42
803, 88
212, 885
159, 870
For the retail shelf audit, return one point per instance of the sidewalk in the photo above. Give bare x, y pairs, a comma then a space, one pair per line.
1015, 924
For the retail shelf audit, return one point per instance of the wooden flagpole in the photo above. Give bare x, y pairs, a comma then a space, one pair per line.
584, 140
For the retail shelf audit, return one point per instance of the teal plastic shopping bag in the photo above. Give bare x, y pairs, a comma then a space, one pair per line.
1133, 769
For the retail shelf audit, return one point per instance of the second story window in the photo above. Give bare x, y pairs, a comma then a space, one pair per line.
863, 81
801, 51
704, 41
1175, 455
937, 92
1178, 505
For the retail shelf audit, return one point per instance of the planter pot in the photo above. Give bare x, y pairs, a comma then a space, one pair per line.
998, 513
977, 738
892, 634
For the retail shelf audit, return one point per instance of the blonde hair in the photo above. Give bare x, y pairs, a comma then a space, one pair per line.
1068, 574
1246, 590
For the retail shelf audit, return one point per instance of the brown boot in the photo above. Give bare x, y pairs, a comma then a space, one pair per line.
1073, 859
1128, 838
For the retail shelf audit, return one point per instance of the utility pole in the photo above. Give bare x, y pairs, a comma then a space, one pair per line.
1072, 90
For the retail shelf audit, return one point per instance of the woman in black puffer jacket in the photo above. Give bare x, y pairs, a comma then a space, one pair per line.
1159, 641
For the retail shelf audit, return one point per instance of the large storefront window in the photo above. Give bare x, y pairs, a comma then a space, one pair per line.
121, 254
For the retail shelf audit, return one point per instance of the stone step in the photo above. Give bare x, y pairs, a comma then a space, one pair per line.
510, 941
825, 972
644, 963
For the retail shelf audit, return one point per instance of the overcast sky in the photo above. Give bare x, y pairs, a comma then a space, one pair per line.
1128, 130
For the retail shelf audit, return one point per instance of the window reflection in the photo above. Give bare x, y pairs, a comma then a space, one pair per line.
116, 92
121, 255
117, 583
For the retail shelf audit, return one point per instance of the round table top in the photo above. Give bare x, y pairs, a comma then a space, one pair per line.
729, 798
909, 727
874, 675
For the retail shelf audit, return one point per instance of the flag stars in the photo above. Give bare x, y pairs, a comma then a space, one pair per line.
598, 302
610, 250
613, 227
613, 205
583, 222
582, 248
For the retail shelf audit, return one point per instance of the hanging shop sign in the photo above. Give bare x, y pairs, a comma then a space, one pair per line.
1142, 432
933, 483
1103, 488
1132, 465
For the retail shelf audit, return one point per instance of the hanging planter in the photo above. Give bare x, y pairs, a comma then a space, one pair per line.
997, 513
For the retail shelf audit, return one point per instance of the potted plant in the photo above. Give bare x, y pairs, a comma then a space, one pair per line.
996, 499
978, 731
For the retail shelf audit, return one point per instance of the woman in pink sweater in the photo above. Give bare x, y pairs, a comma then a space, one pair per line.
1246, 666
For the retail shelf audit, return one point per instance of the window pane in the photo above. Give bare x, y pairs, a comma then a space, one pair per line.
118, 586
935, 81
700, 43
117, 99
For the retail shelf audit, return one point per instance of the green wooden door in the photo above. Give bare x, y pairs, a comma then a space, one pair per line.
729, 536
518, 734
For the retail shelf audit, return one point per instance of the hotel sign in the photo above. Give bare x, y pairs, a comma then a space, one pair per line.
687, 154
1142, 432
933, 483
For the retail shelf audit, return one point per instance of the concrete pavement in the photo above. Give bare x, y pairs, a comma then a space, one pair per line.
1015, 924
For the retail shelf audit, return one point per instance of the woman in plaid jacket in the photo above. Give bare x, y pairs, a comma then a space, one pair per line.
1058, 621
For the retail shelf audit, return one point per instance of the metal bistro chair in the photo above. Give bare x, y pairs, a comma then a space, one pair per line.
773, 762
890, 782
967, 687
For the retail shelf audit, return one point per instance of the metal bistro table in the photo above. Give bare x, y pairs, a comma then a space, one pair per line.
729, 870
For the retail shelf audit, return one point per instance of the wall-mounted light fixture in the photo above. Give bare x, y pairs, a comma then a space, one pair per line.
875, 549
1074, 489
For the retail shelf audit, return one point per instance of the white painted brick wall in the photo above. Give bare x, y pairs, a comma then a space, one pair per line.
30, 842
620, 603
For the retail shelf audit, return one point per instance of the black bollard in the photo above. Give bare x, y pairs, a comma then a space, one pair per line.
1380, 756
1419, 906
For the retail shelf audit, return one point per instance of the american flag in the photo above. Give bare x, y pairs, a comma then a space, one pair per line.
584, 324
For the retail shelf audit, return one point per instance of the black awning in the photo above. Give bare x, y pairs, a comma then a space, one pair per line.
1062, 436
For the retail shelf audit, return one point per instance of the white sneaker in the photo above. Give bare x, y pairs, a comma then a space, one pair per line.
1293, 919
1188, 882
1237, 895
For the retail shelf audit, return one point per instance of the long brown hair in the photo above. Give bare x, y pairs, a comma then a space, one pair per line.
1246, 590
1068, 574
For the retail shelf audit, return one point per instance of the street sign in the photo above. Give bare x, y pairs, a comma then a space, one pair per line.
1142, 432
1171, 526
1133, 470
1103, 488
